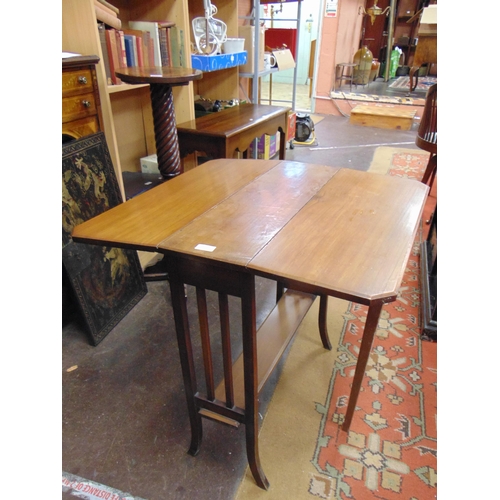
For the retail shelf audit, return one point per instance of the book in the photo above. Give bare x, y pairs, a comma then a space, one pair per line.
146, 37
109, 6
175, 47
104, 7
104, 49
182, 51
120, 44
106, 17
139, 41
113, 55
130, 51
164, 47
151, 52
152, 28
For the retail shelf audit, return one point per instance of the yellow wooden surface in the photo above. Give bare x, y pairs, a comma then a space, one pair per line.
382, 117
145, 220
242, 224
353, 237
339, 231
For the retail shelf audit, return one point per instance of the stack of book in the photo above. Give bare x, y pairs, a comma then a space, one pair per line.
143, 44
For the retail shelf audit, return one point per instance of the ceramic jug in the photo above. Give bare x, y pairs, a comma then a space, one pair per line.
363, 58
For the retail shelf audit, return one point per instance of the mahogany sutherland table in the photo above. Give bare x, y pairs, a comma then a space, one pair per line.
314, 229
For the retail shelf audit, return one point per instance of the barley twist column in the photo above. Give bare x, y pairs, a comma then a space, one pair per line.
167, 145
161, 81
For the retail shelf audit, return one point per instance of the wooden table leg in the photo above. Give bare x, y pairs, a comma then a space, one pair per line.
414, 72
167, 143
250, 369
282, 133
364, 354
323, 314
186, 356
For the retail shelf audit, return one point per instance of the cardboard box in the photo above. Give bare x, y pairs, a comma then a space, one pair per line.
218, 61
284, 59
248, 33
149, 164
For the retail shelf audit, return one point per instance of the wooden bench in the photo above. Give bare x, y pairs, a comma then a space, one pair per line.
382, 117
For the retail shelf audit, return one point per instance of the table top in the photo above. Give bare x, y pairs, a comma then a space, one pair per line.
232, 121
324, 229
159, 74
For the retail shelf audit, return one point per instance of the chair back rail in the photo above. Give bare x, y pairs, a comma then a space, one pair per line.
427, 130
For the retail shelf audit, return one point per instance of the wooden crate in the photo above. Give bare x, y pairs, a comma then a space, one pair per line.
382, 117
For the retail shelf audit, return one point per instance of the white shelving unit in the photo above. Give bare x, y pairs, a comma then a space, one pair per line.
256, 20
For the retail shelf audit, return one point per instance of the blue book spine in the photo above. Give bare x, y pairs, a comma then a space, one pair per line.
129, 50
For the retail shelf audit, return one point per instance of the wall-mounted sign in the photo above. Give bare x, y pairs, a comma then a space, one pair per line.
331, 8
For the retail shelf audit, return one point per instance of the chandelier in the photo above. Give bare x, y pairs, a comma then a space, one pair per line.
374, 11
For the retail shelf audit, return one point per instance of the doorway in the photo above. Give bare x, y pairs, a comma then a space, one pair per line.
277, 88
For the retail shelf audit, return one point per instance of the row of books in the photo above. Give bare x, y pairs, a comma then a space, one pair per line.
143, 44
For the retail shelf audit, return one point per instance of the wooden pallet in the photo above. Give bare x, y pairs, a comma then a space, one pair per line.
382, 117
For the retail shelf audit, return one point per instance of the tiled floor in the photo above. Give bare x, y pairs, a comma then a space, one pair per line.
124, 417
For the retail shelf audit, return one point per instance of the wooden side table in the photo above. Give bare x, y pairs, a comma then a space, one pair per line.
161, 81
426, 52
233, 129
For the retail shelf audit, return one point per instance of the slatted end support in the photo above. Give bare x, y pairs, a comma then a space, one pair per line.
219, 418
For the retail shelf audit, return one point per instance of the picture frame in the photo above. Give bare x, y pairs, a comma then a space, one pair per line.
107, 282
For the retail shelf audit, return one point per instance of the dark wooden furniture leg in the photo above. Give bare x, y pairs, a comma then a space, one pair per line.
282, 153
212, 406
167, 144
323, 330
250, 368
186, 356
364, 354
413, 70
430, 171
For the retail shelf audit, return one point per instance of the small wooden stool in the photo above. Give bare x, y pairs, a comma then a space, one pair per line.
342, 67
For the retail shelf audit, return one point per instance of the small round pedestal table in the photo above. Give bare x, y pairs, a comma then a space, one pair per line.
161, 81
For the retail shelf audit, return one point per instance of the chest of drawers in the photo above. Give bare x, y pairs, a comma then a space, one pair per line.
81, 110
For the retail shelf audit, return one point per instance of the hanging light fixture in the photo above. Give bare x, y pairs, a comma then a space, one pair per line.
374, 11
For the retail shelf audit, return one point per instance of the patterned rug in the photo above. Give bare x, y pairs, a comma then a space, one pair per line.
355, 96
390, 452
403, 83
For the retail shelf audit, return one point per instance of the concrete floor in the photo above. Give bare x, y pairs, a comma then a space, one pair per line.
124, 417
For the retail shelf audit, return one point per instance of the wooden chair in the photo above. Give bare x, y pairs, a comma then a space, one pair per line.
427, 134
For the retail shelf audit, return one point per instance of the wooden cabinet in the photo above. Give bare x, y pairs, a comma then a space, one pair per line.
81, 108
126, 109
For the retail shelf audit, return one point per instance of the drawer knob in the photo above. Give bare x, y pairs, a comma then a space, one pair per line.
82, 80
86, 104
